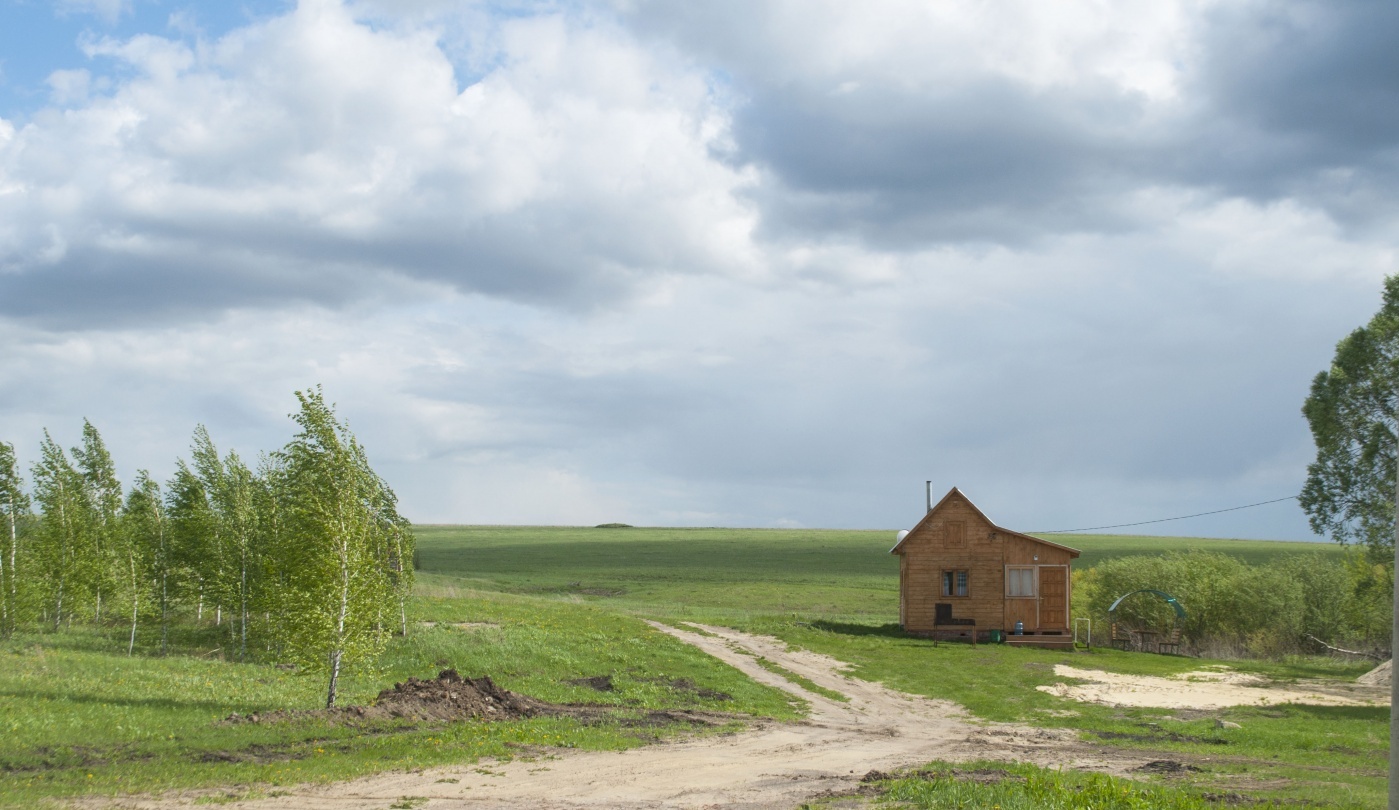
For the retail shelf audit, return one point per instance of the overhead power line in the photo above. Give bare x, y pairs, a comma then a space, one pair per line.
1164, 520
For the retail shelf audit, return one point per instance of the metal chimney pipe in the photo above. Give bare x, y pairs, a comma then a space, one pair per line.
930, 495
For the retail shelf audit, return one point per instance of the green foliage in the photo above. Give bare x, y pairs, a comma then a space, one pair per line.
339, 524
1234, 608
194, 558
141, 542
102, 503
304, 560
14, 508
57, 558
1350, 488
1098, 548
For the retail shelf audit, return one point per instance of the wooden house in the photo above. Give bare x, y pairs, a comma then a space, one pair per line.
962, 576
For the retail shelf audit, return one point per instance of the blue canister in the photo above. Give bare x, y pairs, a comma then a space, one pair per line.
1020, 628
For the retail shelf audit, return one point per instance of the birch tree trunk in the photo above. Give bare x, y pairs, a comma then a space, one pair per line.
135, 600
338, 652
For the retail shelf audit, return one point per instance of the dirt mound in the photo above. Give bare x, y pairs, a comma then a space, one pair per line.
451, 697
1379, 676
447, 697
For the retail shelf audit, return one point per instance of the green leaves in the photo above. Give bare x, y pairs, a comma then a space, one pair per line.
1349, 492
1233, 607
14, 507
340, 518
307, 558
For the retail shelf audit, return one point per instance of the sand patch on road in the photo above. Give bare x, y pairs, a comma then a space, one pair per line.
1203, 689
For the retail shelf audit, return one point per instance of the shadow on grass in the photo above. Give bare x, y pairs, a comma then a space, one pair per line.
1375, 714
891, 630
66, 696
207, 643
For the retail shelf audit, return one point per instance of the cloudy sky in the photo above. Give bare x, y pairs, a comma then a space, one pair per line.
721, 263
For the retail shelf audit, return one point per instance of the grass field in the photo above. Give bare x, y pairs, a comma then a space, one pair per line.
734, 573
537, 607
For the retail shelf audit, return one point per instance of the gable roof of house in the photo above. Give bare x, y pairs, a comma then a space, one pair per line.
957, 493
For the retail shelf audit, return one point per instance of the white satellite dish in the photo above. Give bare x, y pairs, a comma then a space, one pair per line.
899, 538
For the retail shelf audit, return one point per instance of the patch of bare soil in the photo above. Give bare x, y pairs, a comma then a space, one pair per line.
445, 698
1205, 689
1168, 767
597, 683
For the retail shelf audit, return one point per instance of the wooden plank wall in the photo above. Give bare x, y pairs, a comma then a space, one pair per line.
932, 549
956, 537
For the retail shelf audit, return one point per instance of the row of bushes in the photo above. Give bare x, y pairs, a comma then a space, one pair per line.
1236, 609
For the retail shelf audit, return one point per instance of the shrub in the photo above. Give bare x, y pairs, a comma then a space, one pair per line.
1233, 608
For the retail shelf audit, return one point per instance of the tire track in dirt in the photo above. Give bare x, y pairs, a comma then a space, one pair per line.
769, 765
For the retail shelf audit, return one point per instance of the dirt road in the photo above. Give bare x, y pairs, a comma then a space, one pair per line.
774, 765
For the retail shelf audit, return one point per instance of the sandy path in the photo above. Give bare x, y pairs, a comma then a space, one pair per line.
773, 765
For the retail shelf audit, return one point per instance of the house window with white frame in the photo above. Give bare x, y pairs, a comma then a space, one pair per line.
1020, 582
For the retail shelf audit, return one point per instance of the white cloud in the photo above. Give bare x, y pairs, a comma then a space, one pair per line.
309, 154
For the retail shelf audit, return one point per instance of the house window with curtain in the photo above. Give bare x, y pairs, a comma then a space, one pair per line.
956, 583
1020, 582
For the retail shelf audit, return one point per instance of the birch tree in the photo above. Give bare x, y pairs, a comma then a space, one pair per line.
217, 572
235, 510
143, 547
14, 506
275, 561
395, 535
102, 496
58, 489
338, 581
190, 524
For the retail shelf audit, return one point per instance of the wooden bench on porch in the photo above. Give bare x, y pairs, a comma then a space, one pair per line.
942, 617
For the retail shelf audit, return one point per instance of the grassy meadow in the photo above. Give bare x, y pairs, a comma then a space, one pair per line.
79, 717
721, 574
535, 608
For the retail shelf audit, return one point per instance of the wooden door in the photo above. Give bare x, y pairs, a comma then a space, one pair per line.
1054, 597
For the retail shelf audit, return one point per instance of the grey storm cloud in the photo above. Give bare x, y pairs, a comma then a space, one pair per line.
1279, 100
1302, 101
991, 161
